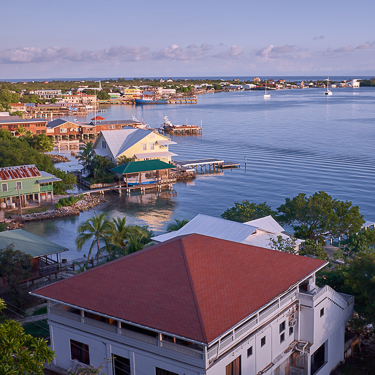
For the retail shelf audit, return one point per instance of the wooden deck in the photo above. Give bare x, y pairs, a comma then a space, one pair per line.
129, 189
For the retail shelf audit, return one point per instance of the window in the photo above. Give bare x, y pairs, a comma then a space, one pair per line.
63, 130
263, 341
4, 187
160, 371
152, 146
291, 331
234, 368
282, 327
80, 352
321, 312
19, 185
144, 146
250, 351
282, 337
104, 144
121, 365
318, 359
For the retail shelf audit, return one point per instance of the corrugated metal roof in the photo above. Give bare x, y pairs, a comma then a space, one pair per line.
29, 243
264, 239
115, 139
18, 172
142, 166
267, 223
213, 227
132, 139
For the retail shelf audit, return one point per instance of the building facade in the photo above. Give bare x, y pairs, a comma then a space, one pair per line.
197, 305
35, 126
24, 183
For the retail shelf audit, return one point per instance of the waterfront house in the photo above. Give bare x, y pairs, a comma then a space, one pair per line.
130, 142
25, 183
60, 129
197, 305
258, 232
46, 254
13, 123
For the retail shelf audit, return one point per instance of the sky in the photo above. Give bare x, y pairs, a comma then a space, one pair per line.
195, 38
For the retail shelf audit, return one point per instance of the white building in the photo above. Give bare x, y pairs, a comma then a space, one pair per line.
48, 94
133, 142
258, 232
355, 83
198, 305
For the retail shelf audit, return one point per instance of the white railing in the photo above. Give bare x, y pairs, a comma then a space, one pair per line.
213, 352
268, 311
101, 325
241, 330
65, 314
139, 336
181, 349
288, 297
226, 341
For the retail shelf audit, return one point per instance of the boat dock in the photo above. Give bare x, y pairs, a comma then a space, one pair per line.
204, 163
183, 100
182, 129
168, 184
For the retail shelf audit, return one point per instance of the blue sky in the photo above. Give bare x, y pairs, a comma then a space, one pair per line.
121, 38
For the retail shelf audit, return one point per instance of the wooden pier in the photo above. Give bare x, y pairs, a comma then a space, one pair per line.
201, 163
168, 184
229, 165
182, 129
182, 100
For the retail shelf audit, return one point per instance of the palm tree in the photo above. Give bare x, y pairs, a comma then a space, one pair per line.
178, 224
95, 229
86, 156
126, 239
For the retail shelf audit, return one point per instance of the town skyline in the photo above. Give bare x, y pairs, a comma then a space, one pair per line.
92, 39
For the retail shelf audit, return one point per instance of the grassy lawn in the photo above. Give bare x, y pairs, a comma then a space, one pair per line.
3, 226
37, 329
42, 310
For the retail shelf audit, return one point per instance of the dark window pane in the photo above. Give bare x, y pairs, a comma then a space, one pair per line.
121, 365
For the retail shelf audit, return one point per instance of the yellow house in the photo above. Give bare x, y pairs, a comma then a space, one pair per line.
141, 144
132, 93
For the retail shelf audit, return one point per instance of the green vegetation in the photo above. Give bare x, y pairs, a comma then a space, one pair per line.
39, 329
368, 82
24, 150
318, 215
40, 311
178, 224
20, 352
97, 167
246, 211
64, 202
117, 238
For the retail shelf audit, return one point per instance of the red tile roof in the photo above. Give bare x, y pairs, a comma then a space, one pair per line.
16, 173
194, 286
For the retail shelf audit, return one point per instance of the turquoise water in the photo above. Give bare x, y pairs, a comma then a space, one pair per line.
298, 141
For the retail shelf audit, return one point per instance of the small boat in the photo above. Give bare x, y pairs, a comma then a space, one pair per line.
266, 94
149, 100
328, 92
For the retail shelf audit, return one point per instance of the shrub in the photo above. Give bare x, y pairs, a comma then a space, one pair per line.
64, 202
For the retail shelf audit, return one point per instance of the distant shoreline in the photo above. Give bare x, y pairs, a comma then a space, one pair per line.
242, 78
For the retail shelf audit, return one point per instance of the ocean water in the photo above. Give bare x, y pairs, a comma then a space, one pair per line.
297, 141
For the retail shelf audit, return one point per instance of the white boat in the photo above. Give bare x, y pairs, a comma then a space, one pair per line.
266, 94
328, 92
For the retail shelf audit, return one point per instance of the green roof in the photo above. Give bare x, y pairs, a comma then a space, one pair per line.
29, 243
142, 166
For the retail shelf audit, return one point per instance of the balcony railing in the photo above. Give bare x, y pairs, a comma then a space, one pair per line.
46, 187
182, 349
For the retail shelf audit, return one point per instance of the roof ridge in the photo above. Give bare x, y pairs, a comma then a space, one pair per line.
200, 318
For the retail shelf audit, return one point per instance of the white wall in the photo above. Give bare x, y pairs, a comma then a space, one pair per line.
100, 349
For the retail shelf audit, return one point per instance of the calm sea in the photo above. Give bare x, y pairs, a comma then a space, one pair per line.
298, 141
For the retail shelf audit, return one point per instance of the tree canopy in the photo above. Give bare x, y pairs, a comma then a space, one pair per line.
21, 353
246, 211
319, 214
23, 151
